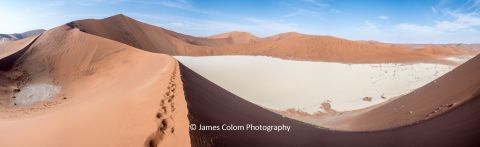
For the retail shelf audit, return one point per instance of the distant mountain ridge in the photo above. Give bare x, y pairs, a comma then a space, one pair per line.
18, 36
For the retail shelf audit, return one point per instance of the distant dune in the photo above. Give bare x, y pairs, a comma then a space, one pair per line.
18, 36
287, 45
472, 48
283, 36
237, 37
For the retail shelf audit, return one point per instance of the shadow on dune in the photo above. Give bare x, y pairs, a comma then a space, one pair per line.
7, 62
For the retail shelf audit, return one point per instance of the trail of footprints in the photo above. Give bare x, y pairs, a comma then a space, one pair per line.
165, 114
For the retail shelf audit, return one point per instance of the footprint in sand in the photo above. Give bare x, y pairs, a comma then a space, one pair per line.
165, 114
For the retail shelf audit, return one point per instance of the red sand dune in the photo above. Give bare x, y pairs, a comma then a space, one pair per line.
469, 48
111, 95
141, 35
209, 104
283, 36
442, 51
287, 45
237, 37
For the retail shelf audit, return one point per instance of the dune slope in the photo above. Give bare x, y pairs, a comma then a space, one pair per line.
143, 36
110, 94
11, 51
209, 104
445, 93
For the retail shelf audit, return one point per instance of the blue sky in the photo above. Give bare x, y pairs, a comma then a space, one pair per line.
402, 21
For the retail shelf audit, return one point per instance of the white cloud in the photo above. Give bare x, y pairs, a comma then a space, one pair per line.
383, 17
434, 10
317, 3
370, 25
302, 12
368, 28
93, 2
201, 27
336, 11
422, 29
180, 4
460, 22
272, 26
454, 27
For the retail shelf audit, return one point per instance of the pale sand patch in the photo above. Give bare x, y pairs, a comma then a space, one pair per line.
282, 84
34, 93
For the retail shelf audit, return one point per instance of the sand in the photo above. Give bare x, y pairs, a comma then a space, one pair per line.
11, 51
111, 95
9, 48
12, 78
302, 85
